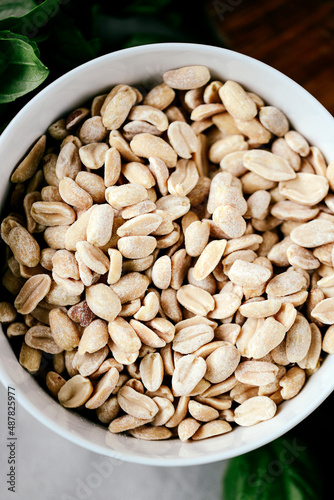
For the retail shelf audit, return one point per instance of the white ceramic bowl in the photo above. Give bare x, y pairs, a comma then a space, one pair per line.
139, 65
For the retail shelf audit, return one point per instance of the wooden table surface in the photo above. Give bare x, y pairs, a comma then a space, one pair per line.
294, 36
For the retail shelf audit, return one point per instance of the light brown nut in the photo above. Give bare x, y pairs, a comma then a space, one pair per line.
161, 272
72, 194
77, 231
54, 382
136, 247
252, 182
135, 127
297, 142
281, 148
93, 257
115, 266
93, 155
88, 363
149, 433
289, 210
99, 228
323, 311
122, 357
30, 358
116, 109
256, 372
190, 338
94, 337
49, 169
52, 213
130, 286
248, 274
226, 304
204, 111
163, 327
65, 264
266, 338
184, 178
255, 410
141, 208
182, 138
93, 184
327, 342
229, 220
64, 330
48, 193
139, 174
236, 101
292, 382
149, 308
187, 77
311, 360
196, 237
221, 363
126, 422
210, 429
108, 411
147, 335
268, 165
317, 160
298, 339
160, 172
40, 337
160, 96
112, 167
87, 276
209, 259
28, 166
227, 145
313, 234
149, 114
58, 296
125, 195
166, 410
152, 371
103, 389
7, 312
68, 162
55, 237
24, 246
286, 283
136, 404
258, 204
274, 120
170, 305
195, 300
122, 334
176, 206
32, 292
75, 392
116, 140
103, 301
92, 130
261, 309
201, 412
254, 130
148, 145
189, 370
76, 116
141, 225
308, 189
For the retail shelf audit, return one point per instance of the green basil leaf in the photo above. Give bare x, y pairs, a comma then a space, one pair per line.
16, 8
281, 470
20, 67
28, 18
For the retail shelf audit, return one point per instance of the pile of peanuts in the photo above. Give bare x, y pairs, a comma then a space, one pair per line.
170, 258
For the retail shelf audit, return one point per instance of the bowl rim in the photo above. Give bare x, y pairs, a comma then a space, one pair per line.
24, 400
